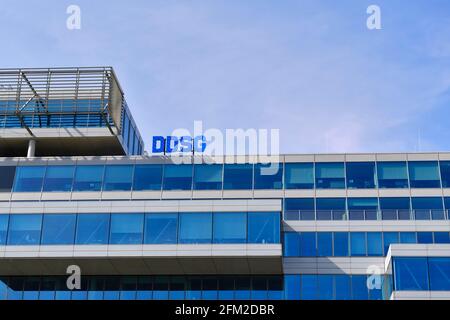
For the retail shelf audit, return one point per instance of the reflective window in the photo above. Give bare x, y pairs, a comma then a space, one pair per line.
343, 287
230, 227
292, 287
299, 209
445, 173
177, 177
24, 229
161, 228
29, 179
410, 273
424, 174
330, 208
4, 218
360, 175
92, 228
127, 228
388, 239
6, 182
58, 178
291, 244
330, 175
299, 175
308, 244
427, 208
88, 178
362, 208
324, 244
359, 287
268, 176
238, 176
408, 237
195, 228
208, 177
358, 243
392, 175
147, 177
309, 287
118, 178
395, 208
326, 284
263, 227
341, 244
441, 237
58, 229
374, 244
439, 270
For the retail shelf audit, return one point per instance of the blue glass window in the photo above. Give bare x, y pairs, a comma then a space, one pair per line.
360, 175
299, 209
24, 229
308, 244
324, 244
88, 178
29, 179
58, 178
410, 274
392, 175
388, 239
445, 173
341, 244
195, 228
326, 290
92, 228
147, 177
343, 287
358, 243
441, 237
395, 208
292, 287
362, 208
208, 177
374, 244
4, 218
425, 237
177, 177
424, 174
230, 227
330, 175
127, 228
269, 176
408, 237
263, 227
161, 228
309, 287
118, 178
7, 173
359, 287
426, 208
58, 229
291, 245
330, 208
238, 176
439, 270
299, 176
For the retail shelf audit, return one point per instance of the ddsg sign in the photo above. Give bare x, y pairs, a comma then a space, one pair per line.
171, 144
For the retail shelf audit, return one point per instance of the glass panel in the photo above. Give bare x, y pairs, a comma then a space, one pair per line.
144, 288
392, 175
341, 244
343, 287
360, 175
177, 288
359, 288
410, 274
362, 208
208, 177
439, 270
424, 174
6, 182
330, 208
230, 227
58, 229
292, 287
88, 178
426, 208
374, 244
29, 179
395, 208
325, 287
195, 228
445, 173
330, 176
177, 177
441, 237
299, 209
238, 176
308, 244
269, 176
408, 237
226, 288
147, 177
425, 237
324, 244
263, 227
24, 229
161, 228
127, 228
58, 178
299, 176
92, 228
309, 287
242, 288
4, 218
388, 239
358, 243
118, 178
291, 245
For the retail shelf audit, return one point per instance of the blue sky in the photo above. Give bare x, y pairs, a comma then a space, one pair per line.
310, 68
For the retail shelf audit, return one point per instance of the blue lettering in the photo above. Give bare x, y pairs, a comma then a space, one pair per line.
158, 144
169, 147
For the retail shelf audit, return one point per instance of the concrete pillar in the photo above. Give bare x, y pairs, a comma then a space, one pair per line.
31, 148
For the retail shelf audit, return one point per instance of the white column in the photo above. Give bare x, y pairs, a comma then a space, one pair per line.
31, 148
